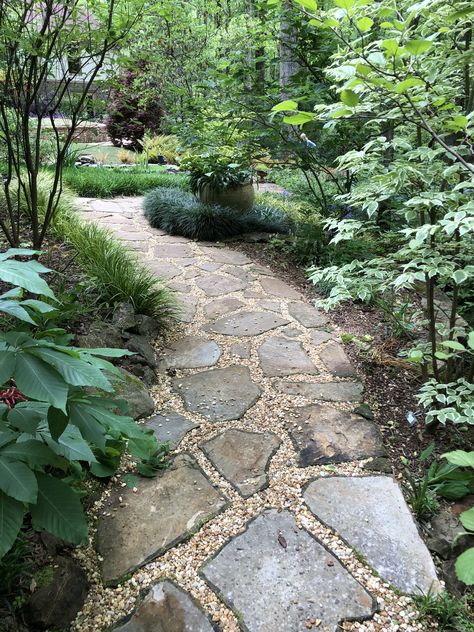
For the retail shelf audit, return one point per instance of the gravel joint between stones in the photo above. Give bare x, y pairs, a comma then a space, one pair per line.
197, 271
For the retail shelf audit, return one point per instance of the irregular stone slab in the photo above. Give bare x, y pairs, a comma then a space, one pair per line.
279, 356
240, 272
162, 513
323, 434
179, 287
142, 346
191, 352
172, 251
163, 269
186, 262
222, 306
187, 305
167, 608
291, 332
325, 391
246, 324
170, 427
278, 577
242, 458
220, 394
272, 306
276, 287
318, 337
336, 360
370, 513
241, 350
225, 255
209, 266
307, 315
131, 236
216, 284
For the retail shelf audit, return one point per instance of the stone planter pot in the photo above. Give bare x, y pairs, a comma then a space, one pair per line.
240, 197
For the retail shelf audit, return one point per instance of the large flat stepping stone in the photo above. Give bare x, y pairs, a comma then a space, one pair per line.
318, 337
242, 458
172, 251
170, 427
322, 434
219, 394
275, 576
167, 608
307, 315
191, 352
160, 514
225, 255
324, 391
276, 287
371, 515
221, 306
280, 356
217, 284
246, 324
163, 269
336, 360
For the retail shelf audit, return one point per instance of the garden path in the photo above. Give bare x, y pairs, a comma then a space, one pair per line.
268, 518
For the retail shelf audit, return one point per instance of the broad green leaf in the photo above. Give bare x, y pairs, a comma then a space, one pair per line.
349, 97
74, 370
11, 519
7, 366
39, 306
364, 24
452, 344
315, 22
299, 119
392, 46
344, 4
72, 446
13, 308
340, 113
91, 429
26, 276
33, 452
18, 481
457, 123
39, 381
460, 457
26, 416
470, 340
460, 276
311, 5
465, 567
405, 85
59, 511
467, 519
57, 422
417, 47
18, 252
284, 106
106, 352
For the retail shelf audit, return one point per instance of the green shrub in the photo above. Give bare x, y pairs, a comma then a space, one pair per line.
114, 273
52, 429
165, 145
180, 213
109, 182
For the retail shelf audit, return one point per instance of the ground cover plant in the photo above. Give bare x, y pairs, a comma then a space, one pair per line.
180, 213
52, 430
109, 182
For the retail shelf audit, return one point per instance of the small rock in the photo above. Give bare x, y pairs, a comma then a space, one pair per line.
170, 427
101, 335
378, 464
443, 538
124, 317
132, 390
141, 345
365, 411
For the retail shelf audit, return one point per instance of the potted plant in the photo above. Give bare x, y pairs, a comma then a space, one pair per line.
216, 179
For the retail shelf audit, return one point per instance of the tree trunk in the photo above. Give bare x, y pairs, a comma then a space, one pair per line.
288, 64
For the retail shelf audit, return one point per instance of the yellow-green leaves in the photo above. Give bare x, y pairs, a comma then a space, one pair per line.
349, 97
405, 85
364, 24
285, 106
298, 119
391, 46
344, 4
457, 123
310, 5
417, 47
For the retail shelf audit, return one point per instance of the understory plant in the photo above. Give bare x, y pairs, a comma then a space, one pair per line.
404, 72
180, 213
53, 430
215, 171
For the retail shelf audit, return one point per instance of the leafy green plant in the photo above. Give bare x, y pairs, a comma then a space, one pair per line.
465, 562
105, 182
165, 145
451, 613
180, 213
420, 495
215, 171
54, 427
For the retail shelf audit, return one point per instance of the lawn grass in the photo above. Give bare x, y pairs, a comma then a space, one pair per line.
102, 182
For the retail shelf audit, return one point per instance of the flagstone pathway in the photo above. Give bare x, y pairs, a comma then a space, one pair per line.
267, 519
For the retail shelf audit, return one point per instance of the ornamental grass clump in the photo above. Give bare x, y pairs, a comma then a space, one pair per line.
180, 213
